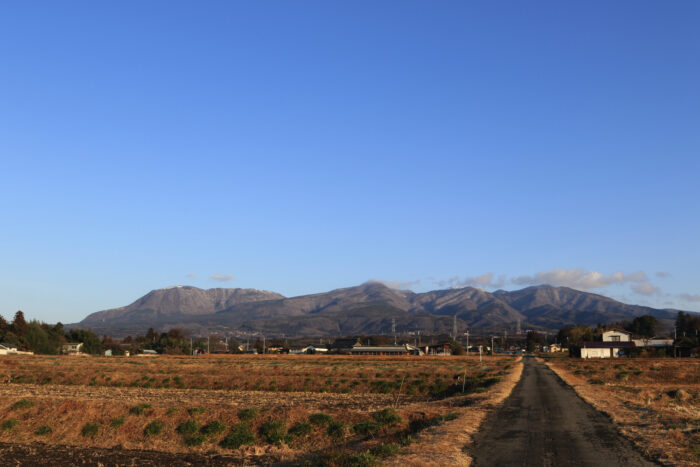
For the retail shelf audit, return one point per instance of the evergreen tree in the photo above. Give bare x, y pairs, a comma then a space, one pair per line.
19, 325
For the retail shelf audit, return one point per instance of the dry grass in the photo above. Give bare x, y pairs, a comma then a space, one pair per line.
426, 376
447, 444
95, 398
654, 402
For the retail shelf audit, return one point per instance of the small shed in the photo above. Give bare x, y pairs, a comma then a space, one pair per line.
7, 349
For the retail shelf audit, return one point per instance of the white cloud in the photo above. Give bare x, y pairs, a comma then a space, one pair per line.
399, 285
690, 297
217, 276
191, 275
663, 275
580, 279
645, 288
486, 281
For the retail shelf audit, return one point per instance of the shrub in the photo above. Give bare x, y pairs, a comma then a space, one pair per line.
139, 409
450, 416
363, 459
387, 416
365, 427
43, 430
187, 428
214, 428
248, 414
196, 410
406, 440
154, 428
195, 440
9, 424
90, 430
301, 429
22, 404
336, 430
240, 435
385, 450
172, 411
117, 422
320, 419
274, 432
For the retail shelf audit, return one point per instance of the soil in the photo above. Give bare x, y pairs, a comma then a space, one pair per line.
545, 423
68, 456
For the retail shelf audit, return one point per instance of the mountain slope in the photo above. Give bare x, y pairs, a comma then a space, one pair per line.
176, 302
367, 308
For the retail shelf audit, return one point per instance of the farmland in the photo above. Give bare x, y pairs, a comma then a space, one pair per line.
655, 402
330, 410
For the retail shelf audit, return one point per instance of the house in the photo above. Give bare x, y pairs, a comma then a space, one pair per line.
616, 335
108, 353
438, 349
8, 349
314, 349
608, 349
551, 348
405, 349
654, 342
147, 353
72, 348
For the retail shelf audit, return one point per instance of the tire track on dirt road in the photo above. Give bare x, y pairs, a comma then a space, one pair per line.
545, 423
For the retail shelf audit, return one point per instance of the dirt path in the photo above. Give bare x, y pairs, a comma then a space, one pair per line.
545, 423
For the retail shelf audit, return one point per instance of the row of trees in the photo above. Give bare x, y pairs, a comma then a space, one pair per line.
45, 338
687, 330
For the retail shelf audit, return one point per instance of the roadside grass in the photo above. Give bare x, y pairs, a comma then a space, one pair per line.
662, 392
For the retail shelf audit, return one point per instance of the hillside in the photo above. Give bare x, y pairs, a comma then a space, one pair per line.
365, 309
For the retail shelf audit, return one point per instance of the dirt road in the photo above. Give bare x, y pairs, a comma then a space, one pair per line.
545, 423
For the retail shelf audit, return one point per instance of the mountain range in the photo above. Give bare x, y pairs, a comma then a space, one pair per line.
369, 308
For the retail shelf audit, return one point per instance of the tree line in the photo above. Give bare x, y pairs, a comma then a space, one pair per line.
45, 338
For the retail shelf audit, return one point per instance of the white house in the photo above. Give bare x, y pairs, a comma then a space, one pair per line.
609, 349
72, 348
616, 335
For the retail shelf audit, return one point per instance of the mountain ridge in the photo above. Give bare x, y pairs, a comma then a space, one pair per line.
368, 308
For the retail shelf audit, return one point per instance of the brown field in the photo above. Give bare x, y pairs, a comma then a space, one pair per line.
654, 402
94, 402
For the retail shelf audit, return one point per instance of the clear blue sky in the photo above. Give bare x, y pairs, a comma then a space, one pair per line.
304, 146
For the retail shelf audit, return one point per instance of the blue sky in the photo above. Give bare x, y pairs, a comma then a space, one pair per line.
305, 146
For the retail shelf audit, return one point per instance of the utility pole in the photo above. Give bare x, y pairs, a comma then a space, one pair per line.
263, 344
467, 347
454, 327
393, 328
492, 349
208, 344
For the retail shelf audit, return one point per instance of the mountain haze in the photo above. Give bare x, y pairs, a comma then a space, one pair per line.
365, 309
